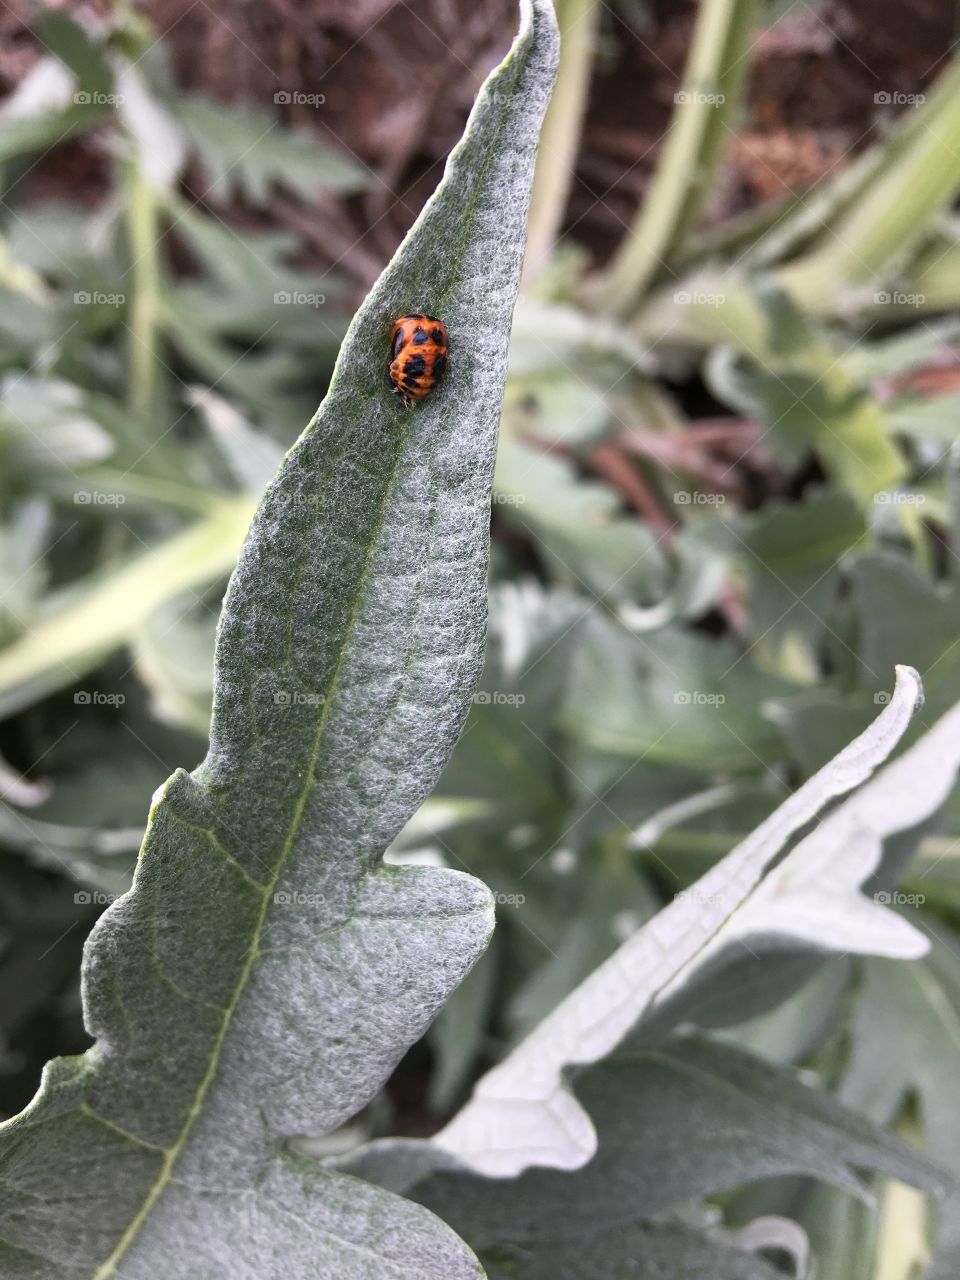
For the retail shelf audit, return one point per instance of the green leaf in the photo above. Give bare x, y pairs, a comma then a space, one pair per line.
73, 46
905, 1041
691, 1119
901, 611
670, 697
245, 151
926, 417
869, 242
842, 1233
789, 554
651, 1251
585, 539
520, 1113
799, 387
266, 972
172, 654
92, 617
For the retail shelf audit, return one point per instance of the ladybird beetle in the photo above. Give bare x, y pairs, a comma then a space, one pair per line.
418, 356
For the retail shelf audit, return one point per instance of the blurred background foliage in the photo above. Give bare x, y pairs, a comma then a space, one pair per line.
726, 499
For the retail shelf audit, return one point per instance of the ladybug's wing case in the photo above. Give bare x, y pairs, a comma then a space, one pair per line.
418, 356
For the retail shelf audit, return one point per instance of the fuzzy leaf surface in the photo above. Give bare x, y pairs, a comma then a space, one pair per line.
267, 971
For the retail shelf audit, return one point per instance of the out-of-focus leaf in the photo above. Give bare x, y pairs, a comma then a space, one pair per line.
252, 456
545, 336
77, 51
22, 571
578, 526
651, 1251
158, 144
903, 350
927, 417
521, 1113
245, 151
669, 697
901, 611
701, 1117
46, 425
812, 898
809, 403
905, 1041
42, 111
568, 408
614, 901
790, 554
173, 656
80, 626
842, 1232
457, 1035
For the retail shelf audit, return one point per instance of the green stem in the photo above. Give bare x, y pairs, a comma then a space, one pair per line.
712, 84
560, 135
97, 615
143, 236
881, 230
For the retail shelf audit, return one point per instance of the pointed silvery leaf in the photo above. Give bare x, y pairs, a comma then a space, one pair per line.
814, 895
521, 1112
266, 972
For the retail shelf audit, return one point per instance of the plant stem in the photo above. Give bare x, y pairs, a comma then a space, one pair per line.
97, 615
142, 234
560, 136
880, 231
712, 84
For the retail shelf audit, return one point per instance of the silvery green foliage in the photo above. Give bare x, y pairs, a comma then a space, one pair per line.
522, 1112
690, 1119
267, 970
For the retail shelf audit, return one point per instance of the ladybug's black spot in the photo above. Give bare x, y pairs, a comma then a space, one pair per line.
437, 336
414, 365
439, 368
419, 337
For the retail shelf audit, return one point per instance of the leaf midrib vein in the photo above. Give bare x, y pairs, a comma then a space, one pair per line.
108, 1267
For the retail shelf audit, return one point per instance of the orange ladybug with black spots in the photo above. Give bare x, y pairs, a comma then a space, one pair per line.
418, 356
